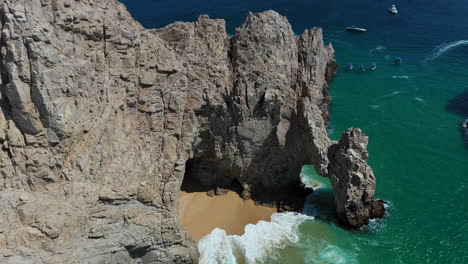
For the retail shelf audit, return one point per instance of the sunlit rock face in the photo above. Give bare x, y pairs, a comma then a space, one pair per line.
100, 119
353, 180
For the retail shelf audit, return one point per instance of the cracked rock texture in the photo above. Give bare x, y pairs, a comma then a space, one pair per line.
101, 120
353, 180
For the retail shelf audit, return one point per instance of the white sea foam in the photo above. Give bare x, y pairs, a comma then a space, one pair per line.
400, 77
391, 94
322, 252
378, 48
444, 48
311, 179
375, 225
419, 99
332, 254
374, 106
264, 239
258, 242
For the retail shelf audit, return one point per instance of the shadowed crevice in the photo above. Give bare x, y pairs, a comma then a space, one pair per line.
137, 252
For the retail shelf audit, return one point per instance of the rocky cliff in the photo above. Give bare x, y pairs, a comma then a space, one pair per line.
101, 120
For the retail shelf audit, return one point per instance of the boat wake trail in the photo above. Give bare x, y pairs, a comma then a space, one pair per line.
444, 48
391, 94
378, 48
419, 99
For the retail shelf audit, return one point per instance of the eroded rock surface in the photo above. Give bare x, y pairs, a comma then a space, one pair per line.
101, 119
353, 180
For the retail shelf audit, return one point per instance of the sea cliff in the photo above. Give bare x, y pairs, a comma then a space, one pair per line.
101, 120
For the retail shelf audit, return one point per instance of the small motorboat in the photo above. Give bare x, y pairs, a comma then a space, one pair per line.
397, 60
350, 66
362, 67
465, 127
393, 10
356, 29
373, 66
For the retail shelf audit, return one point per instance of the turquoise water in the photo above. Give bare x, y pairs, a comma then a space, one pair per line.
416, 150
411, 113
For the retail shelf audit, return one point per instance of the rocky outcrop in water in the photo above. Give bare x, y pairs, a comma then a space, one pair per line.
353, 180
101, 120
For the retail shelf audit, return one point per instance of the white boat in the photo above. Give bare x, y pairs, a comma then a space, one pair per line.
393, 10
465, 127
356, 29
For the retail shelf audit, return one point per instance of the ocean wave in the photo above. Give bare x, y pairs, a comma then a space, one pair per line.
322, 252
442, 49
377, 224
311, 179
258, 242
400, 77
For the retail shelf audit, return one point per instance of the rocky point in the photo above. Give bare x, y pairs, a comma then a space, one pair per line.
101, 120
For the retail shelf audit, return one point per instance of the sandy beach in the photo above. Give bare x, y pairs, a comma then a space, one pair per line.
200, 213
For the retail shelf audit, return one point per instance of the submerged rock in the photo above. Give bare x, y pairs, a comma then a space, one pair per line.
353, 180
101, 120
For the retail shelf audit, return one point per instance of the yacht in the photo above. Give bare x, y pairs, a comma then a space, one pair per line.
393, 10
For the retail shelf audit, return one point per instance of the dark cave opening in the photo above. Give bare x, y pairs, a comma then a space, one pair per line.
203, 175
211, 197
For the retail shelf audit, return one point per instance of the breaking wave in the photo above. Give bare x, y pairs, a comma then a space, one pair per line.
258, 242
262, 242
376, 225
442, 49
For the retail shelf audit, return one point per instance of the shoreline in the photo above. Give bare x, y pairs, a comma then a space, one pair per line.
200, 213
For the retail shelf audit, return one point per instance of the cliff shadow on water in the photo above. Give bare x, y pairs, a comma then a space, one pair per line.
320, 203
459, 105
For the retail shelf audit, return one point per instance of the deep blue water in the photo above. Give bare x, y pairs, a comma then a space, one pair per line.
411, 112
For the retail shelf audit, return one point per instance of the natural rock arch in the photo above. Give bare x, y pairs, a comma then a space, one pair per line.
99, 117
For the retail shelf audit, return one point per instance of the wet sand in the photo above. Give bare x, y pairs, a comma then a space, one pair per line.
200, 213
